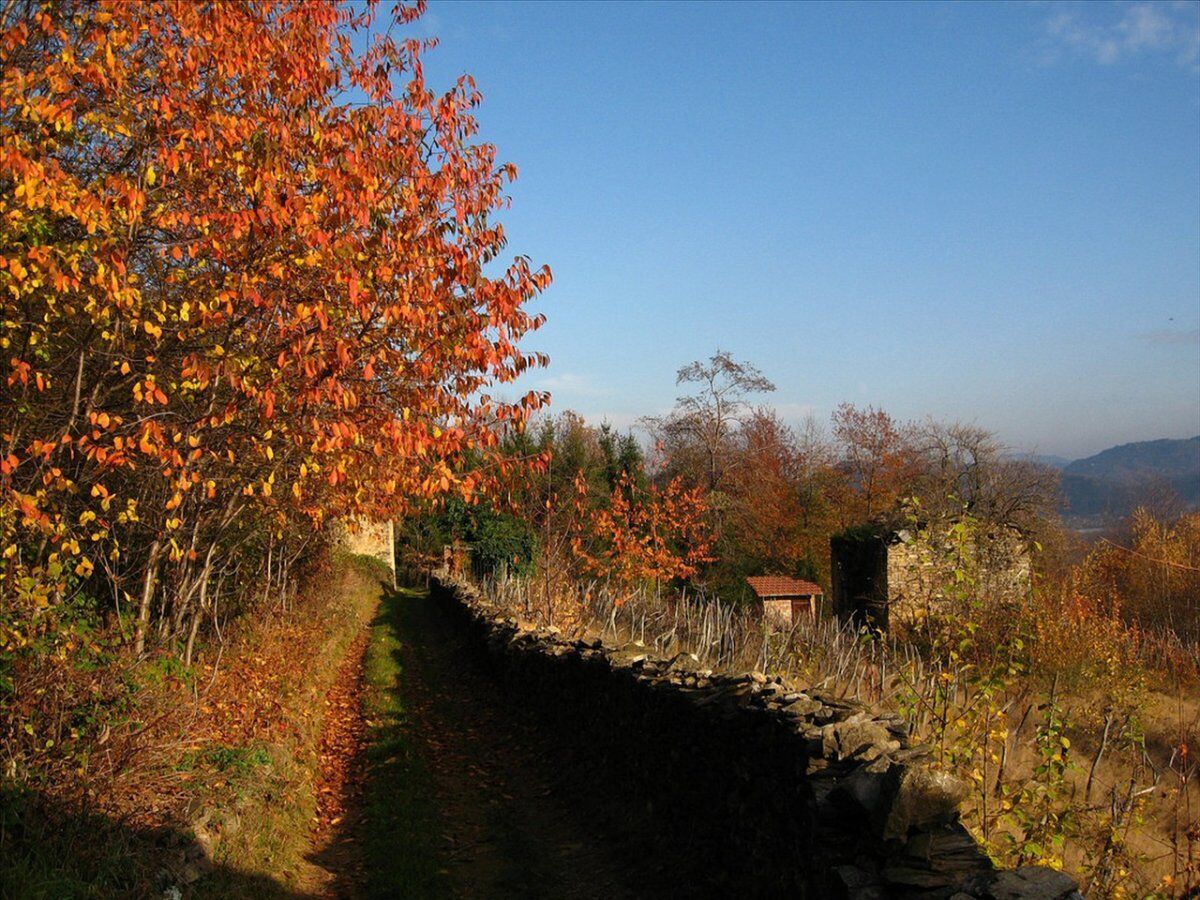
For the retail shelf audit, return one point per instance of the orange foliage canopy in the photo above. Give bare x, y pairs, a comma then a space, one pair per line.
244, 255
651, 534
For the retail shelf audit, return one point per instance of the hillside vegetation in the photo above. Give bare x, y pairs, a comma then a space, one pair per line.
1114, 482
1071, 710
255, 293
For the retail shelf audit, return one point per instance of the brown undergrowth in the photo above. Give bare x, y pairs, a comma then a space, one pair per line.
335, 840
208, 785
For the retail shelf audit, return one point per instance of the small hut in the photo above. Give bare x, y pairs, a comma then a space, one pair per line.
785, 600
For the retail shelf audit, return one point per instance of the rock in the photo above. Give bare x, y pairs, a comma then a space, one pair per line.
871, 752
684, 662
627, 658
924, 797
842, 740
802, 707
194, 871
913, 877
1030, 883
863, 788
827, 714
857, 884
231, 825
948, 850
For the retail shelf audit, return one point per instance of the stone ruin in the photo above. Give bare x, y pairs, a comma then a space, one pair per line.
761, 787
365, 538
886, 577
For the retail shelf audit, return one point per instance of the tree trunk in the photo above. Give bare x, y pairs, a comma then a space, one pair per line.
143, 619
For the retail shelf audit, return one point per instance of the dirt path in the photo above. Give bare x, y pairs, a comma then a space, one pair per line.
337, 831
509, 827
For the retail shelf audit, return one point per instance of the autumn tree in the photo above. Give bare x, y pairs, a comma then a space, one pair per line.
247, 260
878, 458
641, 534
764, 515
1149, 572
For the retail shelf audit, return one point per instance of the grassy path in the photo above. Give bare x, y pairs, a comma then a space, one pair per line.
354, 750
399, 820
461, 797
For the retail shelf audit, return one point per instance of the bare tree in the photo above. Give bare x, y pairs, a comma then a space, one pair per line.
965, 466
698, 431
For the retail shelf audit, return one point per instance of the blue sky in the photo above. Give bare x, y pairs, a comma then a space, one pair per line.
986, 212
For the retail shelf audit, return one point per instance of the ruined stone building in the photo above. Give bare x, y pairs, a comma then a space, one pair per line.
888, 577
367, 538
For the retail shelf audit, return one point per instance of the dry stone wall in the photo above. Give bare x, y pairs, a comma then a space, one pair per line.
763, 789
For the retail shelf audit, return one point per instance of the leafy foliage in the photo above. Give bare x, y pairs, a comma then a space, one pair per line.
249, 267
651, 534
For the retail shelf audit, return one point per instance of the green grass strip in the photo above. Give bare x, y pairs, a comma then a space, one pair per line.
402, 824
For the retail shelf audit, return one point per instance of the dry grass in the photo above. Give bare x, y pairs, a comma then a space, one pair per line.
289, 674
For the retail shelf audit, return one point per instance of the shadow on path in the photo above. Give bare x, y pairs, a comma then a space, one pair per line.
464, 796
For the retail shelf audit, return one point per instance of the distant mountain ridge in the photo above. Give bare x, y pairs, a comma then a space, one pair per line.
1112, 482
1165, 458
1046, 459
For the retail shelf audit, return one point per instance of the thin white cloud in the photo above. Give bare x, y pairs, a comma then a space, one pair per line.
1144, 28
573, 385
1172, 336
794, 412
621, 421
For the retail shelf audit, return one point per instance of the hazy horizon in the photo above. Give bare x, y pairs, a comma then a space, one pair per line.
635, 425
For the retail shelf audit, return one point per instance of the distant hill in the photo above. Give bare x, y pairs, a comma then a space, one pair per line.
1132, 462
1045, 459
1114, 481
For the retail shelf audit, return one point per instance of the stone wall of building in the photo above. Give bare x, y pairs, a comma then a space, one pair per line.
759, 788
892, 578
377, 539
777, 613
920, 571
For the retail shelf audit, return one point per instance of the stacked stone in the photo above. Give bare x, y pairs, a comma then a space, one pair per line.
765, 788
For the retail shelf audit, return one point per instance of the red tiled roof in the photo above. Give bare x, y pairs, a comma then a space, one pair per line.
781, 586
